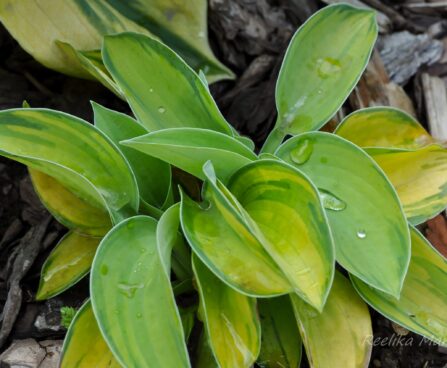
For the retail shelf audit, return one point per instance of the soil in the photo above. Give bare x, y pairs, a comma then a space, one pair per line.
250, 36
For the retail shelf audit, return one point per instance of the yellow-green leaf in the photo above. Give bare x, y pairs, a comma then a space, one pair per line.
230, 319
153, 176
286, 207
322, 65
366, 218
221, 237
162, 90
189, 149
73, 152
38, 24
383, 127
183, 26
84, 346
69, 209
341, 335
419, 176
281, 342
69, 261
132, 298
421, 307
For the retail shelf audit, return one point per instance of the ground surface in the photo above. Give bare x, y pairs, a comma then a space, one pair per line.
250, 36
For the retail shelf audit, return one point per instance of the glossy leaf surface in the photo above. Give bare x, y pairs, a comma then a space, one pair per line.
383, 127
287, 208
369, 227
181, 25
230, 319
69, 209
162, 90
221, 237
67, 148
84, 346
132, 298
281, 342
421, 307
323, 63
341, 336
189, 149
68, 262
419, 176
153, 176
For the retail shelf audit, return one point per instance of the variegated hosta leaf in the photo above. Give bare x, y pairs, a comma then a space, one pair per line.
341, 335
183, 26
170, 241
69, 261
189, 149
73, 152
42, 26
419, 176
132, 298
323, 63
222, 239
84, 346
365, 215
422, 304
281, 236
383, 127
69, 209
153, 176
230, 319
286, 207
162, 90
37, 24
281, 343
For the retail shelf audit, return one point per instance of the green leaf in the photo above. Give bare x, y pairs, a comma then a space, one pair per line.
281, 343
230, 319
84, 346
187, 316
170, 241
72, 151
129, 283
227, 244
286, 207
366, 218
323, 63
69, 262
153, 176
421, 306
69, 209
419, 176
162, 90
38, 24
383, 127
189, 149
181, 25
204, 356
341, 335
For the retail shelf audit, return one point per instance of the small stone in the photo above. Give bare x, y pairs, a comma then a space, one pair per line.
402, 331
376, 363
53, 350
23, 354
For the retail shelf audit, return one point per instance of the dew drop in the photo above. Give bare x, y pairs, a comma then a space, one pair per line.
323, 160
143, 250
129, 290
331, 201
361, 234
139, 315
151, 90
104, 269
302, 152
328, 67
161, 110
201, 34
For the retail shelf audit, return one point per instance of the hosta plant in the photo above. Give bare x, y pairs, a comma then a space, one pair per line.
205, 253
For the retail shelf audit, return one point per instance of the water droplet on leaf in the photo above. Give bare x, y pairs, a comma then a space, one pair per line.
331, 201
161, 110
361, 234
129, 290
104, 269
302, 152
328, 67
